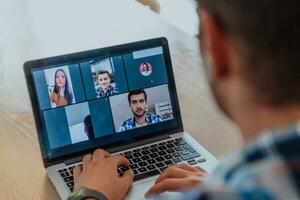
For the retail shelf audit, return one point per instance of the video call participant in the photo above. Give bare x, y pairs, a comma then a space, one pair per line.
105, 89
138, 104
61, 95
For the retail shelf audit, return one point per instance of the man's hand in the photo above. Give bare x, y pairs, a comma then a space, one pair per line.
177, 178
99, 172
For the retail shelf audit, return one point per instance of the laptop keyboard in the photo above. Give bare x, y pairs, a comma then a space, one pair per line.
149, 160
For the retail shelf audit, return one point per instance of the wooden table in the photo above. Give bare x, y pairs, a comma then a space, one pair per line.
34, 28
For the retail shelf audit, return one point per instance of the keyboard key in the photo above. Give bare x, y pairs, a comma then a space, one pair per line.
159, 165
71, 189
62, 170
188, 147
161, 143
142, 169
168, 157
161, 148
201, 160
192, 162
185, 152
168, 162
127, 152
145, 157
161, 153
129, 156
153, 155
146, 175
176, 154
134, 166
150, 167
135, 171
137, 155
145, 148
136, 150
142, 164
68, 179
170, 145
62, 174
179, 148
70, 184
170, 150
190, 156
153, 146
151, 161
154, 150
145, 152
176, 160
178, 139
159, 159
136, 160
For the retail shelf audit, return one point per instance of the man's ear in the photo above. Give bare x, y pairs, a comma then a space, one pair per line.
214, 47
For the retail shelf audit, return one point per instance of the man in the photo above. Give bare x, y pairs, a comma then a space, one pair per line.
88, 127
138, 104
106, 89
251, 54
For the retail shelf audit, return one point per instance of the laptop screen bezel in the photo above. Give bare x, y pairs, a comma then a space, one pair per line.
107, 51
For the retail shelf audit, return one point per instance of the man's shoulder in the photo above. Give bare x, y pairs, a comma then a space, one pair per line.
127, 122
154, 117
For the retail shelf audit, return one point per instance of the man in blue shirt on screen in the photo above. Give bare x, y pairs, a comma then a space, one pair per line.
106, 88
138, 104
250, 50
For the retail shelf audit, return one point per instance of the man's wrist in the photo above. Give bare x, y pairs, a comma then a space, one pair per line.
83, 193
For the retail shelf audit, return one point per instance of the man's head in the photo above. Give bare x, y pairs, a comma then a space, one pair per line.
251, 51
104, 79
138, 102
88, 127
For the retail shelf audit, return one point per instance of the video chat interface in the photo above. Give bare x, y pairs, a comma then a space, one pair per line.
102, 96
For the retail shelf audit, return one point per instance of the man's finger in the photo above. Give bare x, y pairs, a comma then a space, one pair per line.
100, 154
175, 172
119, 160
86, 160
76, 172
187, 166
173, 184
200, 169
127, 177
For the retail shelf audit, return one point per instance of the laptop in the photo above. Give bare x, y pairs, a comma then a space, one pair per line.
122, 99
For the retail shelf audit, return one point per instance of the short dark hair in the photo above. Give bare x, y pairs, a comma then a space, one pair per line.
270, 32
137, 92
103, 72
89, 127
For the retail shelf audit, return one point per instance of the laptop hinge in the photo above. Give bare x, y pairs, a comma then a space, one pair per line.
73, 160
122, 147
136, 144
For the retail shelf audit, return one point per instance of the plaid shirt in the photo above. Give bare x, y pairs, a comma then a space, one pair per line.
130, 123
111, 91
267, 169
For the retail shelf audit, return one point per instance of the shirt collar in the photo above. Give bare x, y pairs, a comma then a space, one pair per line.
147, 119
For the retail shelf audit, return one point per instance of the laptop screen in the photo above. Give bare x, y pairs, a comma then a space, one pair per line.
101, 100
